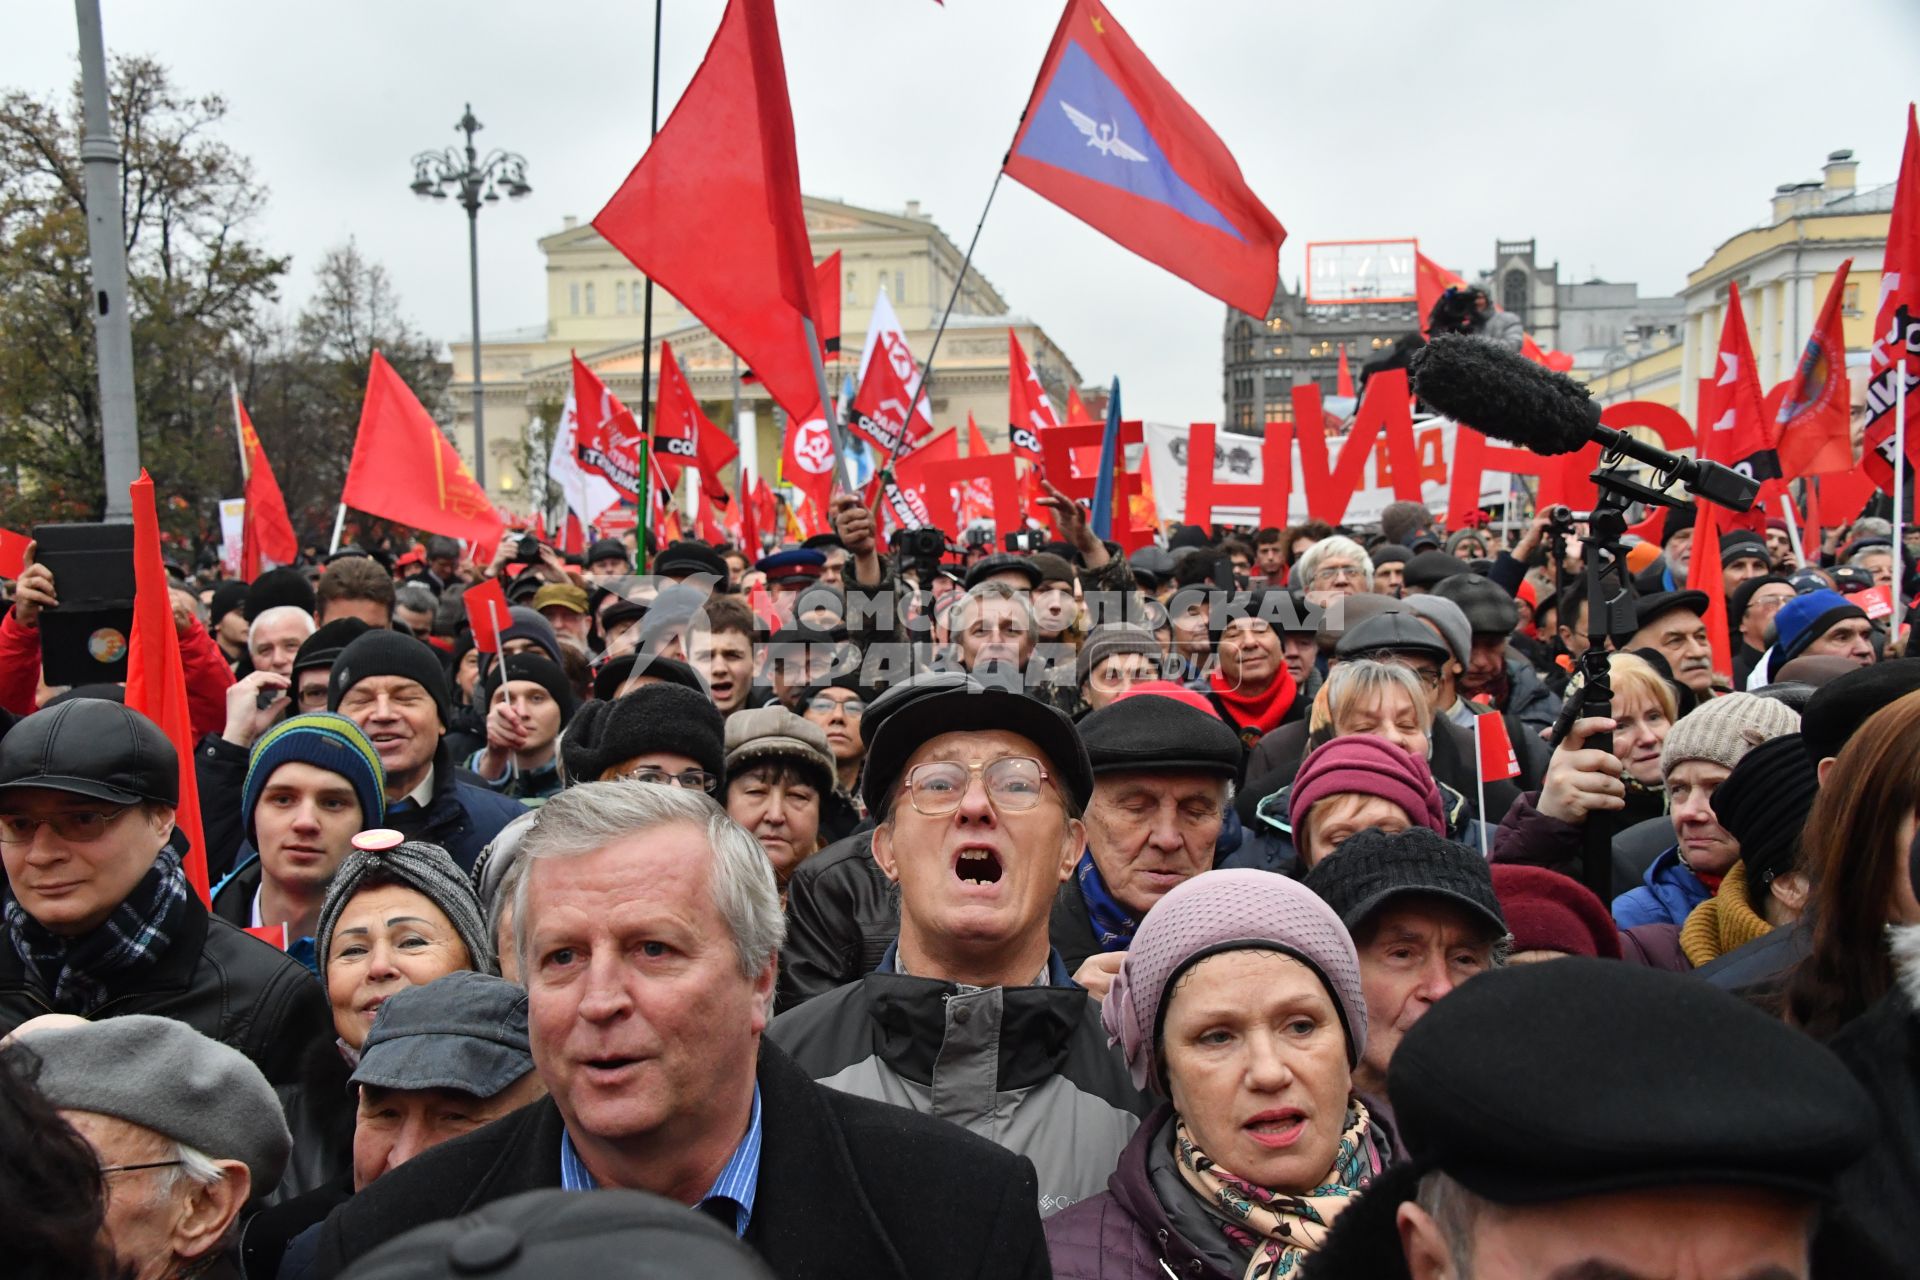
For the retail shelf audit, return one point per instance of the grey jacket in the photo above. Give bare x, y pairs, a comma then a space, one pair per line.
1028, 1068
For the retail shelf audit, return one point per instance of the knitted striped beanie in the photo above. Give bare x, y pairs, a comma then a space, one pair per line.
326, 740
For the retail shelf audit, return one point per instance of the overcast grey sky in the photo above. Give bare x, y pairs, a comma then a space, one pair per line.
1630, 137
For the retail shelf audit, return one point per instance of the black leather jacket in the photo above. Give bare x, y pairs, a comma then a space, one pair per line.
842, 915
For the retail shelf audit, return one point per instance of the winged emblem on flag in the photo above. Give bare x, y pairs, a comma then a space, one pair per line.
1104, 138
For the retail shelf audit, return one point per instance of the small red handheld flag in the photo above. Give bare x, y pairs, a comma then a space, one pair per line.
486, 605
1704, 573
266, 532
1497, 759
13, 553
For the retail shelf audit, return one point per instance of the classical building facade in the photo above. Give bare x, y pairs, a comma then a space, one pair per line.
595, 304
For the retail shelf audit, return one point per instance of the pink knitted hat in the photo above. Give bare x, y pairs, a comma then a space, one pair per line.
1369, 766
1227, 911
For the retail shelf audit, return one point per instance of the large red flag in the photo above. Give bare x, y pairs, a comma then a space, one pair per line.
405, 469
886, 412
1891, 368
713, 212
266, 531
1106, 138
1704, 573
1733, 427
1029, 412
807, 458
682, 433
156, 679
1814, 418
606, 438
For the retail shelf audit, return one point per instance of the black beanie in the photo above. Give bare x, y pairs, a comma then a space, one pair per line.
324, 646
390, 653
542, 671
228, 596
276, 587
654, 717
1764, 804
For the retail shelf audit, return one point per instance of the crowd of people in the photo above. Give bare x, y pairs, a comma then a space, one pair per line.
846, 910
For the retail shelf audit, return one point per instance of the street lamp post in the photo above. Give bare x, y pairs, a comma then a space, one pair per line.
476, 181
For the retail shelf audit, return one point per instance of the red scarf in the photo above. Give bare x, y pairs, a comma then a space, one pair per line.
1256, 714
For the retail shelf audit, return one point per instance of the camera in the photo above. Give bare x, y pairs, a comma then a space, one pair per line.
920, 546
1026, 540
527, 550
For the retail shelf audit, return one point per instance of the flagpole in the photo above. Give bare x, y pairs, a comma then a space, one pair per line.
1480, 782
339, 523
645, 499
842, 444
1899, 494
1793, 527
239, 438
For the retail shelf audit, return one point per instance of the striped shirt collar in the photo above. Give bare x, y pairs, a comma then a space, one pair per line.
735, 1186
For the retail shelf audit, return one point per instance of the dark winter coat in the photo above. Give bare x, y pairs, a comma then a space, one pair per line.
847, 1188
842, 915
1125, 1232
1028, 1068
1882, 1049
1528, 837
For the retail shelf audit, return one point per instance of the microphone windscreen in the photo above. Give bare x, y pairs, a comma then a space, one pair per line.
1504, 395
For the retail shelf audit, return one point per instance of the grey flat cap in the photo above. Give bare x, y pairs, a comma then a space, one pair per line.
466, 1031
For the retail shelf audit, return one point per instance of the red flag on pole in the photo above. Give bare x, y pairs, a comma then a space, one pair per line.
1733, 427
405, 469
886, 412
1814, 420
1106, 138
486, 604
806, 457
606, 437
826, 292
1029, 412
683, 434
1078, 415
266, 531
1495, 749
1704, 574
156, 678
712, 211
1430, 280
1896, 328
1344, 385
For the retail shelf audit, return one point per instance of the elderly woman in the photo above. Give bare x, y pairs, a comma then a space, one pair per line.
1239, 1005
779, 773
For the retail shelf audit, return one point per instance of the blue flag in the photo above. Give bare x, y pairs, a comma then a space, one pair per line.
1111, 459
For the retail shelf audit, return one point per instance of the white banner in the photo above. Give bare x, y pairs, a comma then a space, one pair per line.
587, 495
1236, 460
233, 527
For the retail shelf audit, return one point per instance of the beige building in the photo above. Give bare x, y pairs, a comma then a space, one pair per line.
594, 305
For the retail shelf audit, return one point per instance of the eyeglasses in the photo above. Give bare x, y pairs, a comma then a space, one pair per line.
1013, 784
1767, 604
687, 780
1428, 676
80, 826
313, 697
825, 706
1338, 573
129, 1168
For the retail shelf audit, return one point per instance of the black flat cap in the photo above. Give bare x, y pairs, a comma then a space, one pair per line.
1151, 565
1542, 1082
1390, 553
1651, 608
1393, 632
1146, 731
1429, 569
685, 559
540, 1234
609, 549
1002, 562
1371, 867
945, 704
1489, 609
278, 587
94, 748
1842, 705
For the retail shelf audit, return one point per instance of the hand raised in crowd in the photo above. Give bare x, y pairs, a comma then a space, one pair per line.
1071, 519
1582, 780
1097, 972
185, 618
853, 525
507, 733
246, 718
33, 591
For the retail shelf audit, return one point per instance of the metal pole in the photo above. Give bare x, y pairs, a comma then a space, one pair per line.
470, 197
1900, 498
646, 327
107, 253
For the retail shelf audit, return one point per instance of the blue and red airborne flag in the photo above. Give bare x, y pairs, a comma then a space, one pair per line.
1106, 138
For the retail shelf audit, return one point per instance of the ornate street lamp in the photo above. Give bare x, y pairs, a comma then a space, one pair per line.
475, 181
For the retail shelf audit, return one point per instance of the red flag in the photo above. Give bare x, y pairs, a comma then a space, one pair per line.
1733, 427
1078, 415
976, 496
573, 538
1896, 328
682, 433
266, 532
1558, 361
886, 412
405, 469
905, 504
486, 604
1495, 749
13, 553
1029, 412
713, 212
807, 457
826, 292
1704, 574
1344, 385
606, 437
156, 678
1430, 280
1814, 419
1106, 138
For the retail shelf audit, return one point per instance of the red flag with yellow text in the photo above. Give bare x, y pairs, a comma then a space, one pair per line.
266, 531
405, 469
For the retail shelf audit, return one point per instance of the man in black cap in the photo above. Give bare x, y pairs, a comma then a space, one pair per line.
1113, 658
649, 924
696, 564
1390, 568
1424, 919
395, 689
1426, 570
1743, 555
1493, 670
1750, 610
100, 919
529, 703
227, 619
1671, 623
1669, 572
978, 795
1162, 771
1557, 1123
608, 558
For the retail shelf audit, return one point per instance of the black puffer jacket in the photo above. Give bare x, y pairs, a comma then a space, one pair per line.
225, 985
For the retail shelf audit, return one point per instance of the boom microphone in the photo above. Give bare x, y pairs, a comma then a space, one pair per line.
1502, 394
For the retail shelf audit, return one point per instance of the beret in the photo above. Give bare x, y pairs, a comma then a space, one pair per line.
1841, 706
1543, 1082
1391, 633
1156, 733
161, 1074
1376, 866
1489, 608
1547, 911
942, 704
1430, 568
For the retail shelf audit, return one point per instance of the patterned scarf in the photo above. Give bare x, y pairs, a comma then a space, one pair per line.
1282, 1230
1113, 924
135, 936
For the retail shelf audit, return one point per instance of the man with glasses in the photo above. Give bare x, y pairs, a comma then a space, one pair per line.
971, 1015
100, 919
1333, 567
660, 733
1751, 611
838, 707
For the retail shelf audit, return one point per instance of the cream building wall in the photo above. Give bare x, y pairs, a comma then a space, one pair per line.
595, 305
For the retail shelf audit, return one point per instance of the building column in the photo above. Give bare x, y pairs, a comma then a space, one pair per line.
1766, 356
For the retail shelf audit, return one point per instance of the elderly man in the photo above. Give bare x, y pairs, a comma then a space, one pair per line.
186, 1130
100, 918
648, 924
1112, 659
1718, 1173
1424, 919
1751, 609
1669, 571
414, 608
977, 793
1162, 769
564, 606
395, 689
1333, 567
1254, 689
276, 636
1819, 623
1671, 622
994, 629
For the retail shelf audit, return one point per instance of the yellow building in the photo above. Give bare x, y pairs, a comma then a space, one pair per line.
594, 305
1783, 269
